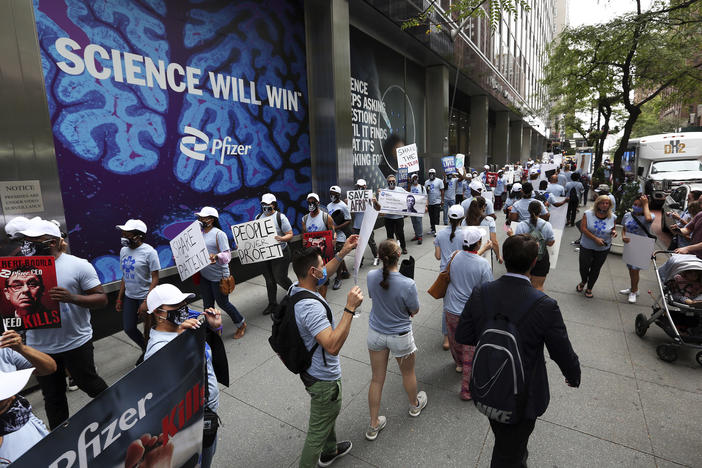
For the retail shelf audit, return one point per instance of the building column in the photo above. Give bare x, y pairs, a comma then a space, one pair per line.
329, 88
501, 140
478, 144
526, 144
515, 141
437, 124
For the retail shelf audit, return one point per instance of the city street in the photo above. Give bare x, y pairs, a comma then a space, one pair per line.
632, 409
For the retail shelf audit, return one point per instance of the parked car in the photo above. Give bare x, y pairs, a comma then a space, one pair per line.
677, 203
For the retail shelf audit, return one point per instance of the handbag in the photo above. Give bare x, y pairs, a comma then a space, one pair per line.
438, 289
226, 284
407, 267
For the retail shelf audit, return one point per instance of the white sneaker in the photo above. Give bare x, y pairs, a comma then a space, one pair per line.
372, 432
632, 298
627, 291
415, 411
375, 261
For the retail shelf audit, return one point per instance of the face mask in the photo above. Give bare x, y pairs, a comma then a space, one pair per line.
267, 209
637, 210
177, 316
125, 242
323, 279
312, 207
391, 184
16, 416
432, 176
202, 225
29, 248
335, 197
415, 181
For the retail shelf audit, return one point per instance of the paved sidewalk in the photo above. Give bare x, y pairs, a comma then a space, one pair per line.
632, 409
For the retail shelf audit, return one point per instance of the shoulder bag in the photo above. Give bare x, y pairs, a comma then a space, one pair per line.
438, 289
226, 284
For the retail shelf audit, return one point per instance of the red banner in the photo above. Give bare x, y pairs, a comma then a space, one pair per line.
25, 283
322, 239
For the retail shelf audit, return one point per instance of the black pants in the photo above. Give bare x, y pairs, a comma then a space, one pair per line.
511, 441
587, 189
396, 228
572, 211
80, 364
275, 273
591, 262
434, 213
371, 242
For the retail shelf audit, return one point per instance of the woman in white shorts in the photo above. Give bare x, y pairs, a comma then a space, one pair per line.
395, 302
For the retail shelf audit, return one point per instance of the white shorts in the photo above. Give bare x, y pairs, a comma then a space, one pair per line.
399, 345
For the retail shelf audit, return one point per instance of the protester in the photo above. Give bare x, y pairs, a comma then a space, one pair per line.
317, 221
563, 178
681, 220
542, 232
638, 221
435, 198
520, 209
15, 355
395, 224
539, 322
476, 190
218, 248
417, 189
20, 429
358, 222
395, 302
341, 216
500, 190
585, 180
71, 345
449, 194
573, 190
468, 271
168, 306
597, 227
554, 187
140, 265
514, 194
476, 216
603, 189
322, 379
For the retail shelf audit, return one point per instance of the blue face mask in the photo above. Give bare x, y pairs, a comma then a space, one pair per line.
637, 210
323, 279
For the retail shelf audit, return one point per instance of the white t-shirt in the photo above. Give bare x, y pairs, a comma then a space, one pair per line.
216, 241
316, 223
15, 444
434, 188
137, 266
332, 208
77, 276
11, 360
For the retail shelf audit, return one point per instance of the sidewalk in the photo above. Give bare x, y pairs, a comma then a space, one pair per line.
632, 409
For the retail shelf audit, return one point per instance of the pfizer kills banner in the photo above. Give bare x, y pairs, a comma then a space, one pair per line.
25, 283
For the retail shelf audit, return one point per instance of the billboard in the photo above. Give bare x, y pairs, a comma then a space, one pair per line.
158, 108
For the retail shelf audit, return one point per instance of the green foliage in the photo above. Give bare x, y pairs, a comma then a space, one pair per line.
630, 193
650, 121
459, 10
598, 177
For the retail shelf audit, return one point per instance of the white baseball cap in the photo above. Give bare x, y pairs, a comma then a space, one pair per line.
534, 170
15, 225
268, 198
335, 189
165, 294
40, 227
361, 182
516, 187
476, 185
432, 171
469, 176
312, 195
456, 212
487, 168
133, 225
207, 211
471, 235
12, 382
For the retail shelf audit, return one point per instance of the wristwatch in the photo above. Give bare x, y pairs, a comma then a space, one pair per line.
346, 309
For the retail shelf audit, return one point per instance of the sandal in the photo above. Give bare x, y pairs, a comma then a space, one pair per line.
580, 287
588, 293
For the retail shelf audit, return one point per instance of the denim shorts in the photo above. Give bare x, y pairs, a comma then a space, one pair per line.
632, 267
399, 345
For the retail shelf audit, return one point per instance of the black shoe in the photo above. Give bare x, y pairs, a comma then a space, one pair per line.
345, 275
268, 309
414, 239
342, 448
337, 283
419, 241
404, 251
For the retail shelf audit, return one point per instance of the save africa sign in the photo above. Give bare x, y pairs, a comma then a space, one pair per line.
158, 108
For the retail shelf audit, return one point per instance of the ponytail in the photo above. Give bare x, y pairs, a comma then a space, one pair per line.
387, 251
534, 212
454, 225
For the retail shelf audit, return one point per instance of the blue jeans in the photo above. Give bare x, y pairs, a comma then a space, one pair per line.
211, 293
417, 225
130, 318
208, 454
447, 204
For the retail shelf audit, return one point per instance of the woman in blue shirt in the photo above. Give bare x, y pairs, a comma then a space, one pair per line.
395, 302
637, 222
597, 227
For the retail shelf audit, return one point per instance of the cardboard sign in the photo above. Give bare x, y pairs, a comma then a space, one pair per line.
407, 157
189, 251
358, 200
491, 179
402, 177
449, 163
25, 283
460, 162
402, 203
163, 397
255, 241
638, 250
369, 218
322, 239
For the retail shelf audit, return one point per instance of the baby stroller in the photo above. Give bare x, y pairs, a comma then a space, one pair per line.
682, 322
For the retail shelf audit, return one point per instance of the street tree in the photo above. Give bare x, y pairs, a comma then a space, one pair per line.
459, 11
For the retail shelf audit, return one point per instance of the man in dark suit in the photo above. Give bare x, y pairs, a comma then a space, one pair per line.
541, 324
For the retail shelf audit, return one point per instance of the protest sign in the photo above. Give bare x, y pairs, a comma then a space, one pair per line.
637, 252
369, 218
255, 241
460, 162
25, 303
546, 171
449, 163
557, 220
358, 200
163, 397
407, 157
402, 177
189, 251
402, 203
322, 239
491, 179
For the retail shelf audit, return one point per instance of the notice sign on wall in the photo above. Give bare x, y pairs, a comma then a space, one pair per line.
255, 241
20, 197
407, 157
189, 251
357, 200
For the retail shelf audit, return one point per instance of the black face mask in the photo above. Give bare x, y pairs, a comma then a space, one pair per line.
335, 197
29, 248
267, 209
391, 184
177, 316
312, 207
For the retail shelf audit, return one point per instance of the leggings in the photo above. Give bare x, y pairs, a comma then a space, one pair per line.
211, 293
130, 318
396, 228
591, 262
434, 211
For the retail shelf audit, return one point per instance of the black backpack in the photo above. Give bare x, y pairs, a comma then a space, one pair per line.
285, 337
338, 218
573, 196
498, 384
541, 197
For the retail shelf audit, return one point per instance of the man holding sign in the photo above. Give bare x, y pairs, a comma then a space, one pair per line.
358, 217
395, 223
